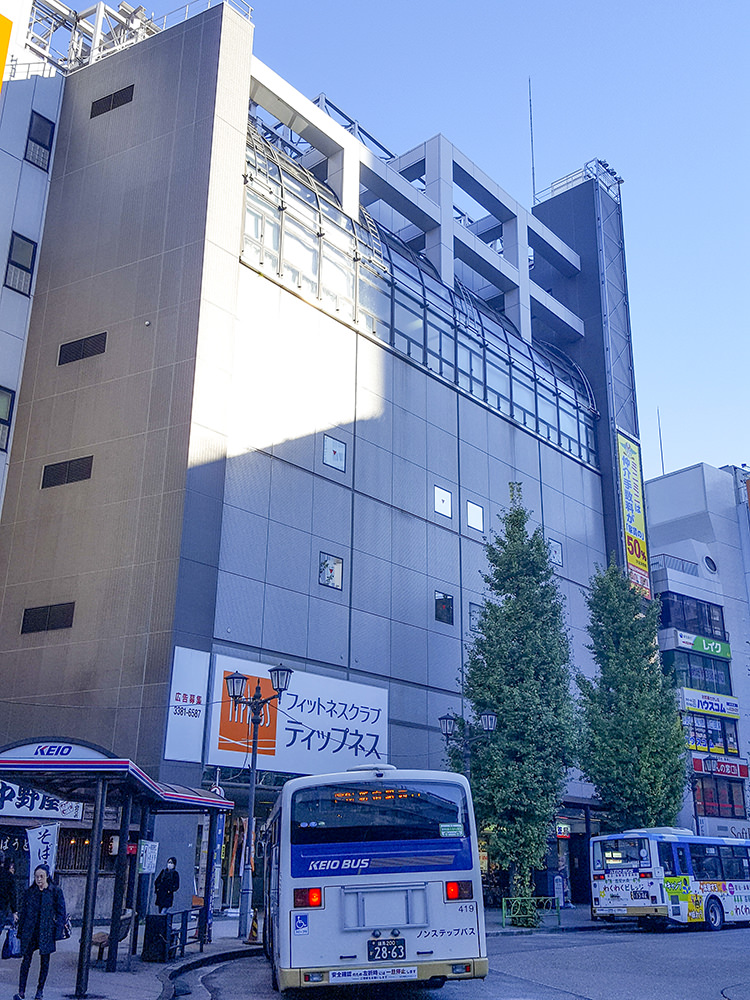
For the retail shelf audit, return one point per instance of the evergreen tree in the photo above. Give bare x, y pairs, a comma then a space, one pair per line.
518, 667
632, 743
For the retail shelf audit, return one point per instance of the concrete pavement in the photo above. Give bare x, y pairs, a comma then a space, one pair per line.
139, 980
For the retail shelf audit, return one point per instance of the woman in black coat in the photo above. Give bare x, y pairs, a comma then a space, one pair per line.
166, 885
41, 919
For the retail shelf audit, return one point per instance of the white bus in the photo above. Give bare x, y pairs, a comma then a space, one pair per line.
372, 876
663, 875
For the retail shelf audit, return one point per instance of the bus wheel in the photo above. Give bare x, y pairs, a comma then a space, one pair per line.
714, 915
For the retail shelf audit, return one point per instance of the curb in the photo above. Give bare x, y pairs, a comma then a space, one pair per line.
169, 975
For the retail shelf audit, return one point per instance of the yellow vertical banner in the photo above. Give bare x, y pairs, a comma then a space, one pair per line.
5, 29
633, 512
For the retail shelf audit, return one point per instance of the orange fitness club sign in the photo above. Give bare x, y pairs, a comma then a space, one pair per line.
235, 730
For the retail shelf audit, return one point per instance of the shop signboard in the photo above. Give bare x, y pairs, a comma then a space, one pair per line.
323, 724
702, 644
710, 704
187, 705
633, 515
23, 802
42, 847
724, 768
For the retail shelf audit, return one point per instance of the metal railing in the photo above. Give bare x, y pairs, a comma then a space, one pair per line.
525, 909
664, 561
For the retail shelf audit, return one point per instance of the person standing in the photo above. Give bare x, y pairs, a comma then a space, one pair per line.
8, 893
41, 921
166, 885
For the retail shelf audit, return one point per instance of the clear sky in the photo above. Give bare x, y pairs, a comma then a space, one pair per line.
658, 88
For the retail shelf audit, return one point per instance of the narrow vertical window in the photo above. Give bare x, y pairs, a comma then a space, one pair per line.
443, 502
20, 264
6, 413
39, 141
443, 608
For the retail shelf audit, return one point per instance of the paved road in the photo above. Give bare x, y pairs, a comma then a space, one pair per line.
595, 965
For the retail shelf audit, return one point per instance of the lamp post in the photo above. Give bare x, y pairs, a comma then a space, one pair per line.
448, 729
236, 683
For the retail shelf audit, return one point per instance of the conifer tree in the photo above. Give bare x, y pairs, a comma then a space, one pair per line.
632, 743
518, 667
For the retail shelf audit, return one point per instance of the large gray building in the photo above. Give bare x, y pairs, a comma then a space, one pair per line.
277, 382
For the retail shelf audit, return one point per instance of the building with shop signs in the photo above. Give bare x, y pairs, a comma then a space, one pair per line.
700, 536
276, 384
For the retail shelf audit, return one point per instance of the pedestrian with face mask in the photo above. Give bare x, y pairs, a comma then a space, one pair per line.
41, 919
166, 885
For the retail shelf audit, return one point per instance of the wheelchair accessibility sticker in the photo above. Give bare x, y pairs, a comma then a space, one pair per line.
300, 923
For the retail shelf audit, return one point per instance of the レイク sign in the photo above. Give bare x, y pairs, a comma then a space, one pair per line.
701, 644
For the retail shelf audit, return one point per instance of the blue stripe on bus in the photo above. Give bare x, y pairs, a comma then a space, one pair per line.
450, 854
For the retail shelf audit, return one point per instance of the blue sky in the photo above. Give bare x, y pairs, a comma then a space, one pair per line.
659, 89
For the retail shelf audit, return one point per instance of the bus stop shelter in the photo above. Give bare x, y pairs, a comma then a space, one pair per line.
80, 772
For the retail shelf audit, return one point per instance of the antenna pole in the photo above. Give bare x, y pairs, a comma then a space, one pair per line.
531, 133
661, 443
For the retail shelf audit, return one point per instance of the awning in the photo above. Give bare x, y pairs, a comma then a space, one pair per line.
75, 780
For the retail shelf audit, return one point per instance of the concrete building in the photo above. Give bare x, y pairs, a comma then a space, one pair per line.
277, 382
700, 539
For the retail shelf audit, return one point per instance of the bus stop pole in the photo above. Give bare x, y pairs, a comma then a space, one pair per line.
118, 893
84, 951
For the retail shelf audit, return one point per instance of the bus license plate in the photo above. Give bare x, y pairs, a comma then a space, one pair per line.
386, 950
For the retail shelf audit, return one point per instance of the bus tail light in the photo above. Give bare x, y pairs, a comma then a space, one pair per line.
598, 876
646, 875
308, 897
459, 890
460, 970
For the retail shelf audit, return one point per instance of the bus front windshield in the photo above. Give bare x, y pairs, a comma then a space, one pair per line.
625, 852
373, 811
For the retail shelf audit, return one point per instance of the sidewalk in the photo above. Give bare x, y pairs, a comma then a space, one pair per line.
134, 979
576, 918
139, 980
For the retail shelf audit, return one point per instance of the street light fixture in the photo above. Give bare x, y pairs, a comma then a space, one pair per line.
236, 684
447, 722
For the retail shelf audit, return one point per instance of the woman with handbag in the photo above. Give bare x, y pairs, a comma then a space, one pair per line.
42, 919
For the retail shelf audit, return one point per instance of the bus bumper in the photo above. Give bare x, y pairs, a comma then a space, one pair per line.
295, 979
609, 912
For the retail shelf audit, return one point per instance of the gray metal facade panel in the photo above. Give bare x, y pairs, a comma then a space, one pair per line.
244, 543
290, 557
370, 642
371, 584
285, 620
408, 652
239, 609
410, 486
248, 482
327, 632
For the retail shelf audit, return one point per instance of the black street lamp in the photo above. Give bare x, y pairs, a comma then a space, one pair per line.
236, 684
448, 729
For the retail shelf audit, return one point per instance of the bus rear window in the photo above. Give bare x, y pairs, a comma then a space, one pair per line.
345, 814
626, 852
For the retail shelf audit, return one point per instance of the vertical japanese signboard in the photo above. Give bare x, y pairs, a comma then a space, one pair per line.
5, 29
633, 512
42, 848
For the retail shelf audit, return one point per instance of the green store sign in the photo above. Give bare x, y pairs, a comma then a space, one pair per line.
702, 644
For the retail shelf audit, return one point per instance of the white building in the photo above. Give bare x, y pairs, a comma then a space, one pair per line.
700, 539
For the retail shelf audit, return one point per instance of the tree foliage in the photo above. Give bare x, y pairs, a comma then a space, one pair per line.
518, 667
632, 743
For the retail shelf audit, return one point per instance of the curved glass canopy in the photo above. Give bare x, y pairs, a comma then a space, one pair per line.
296, 233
